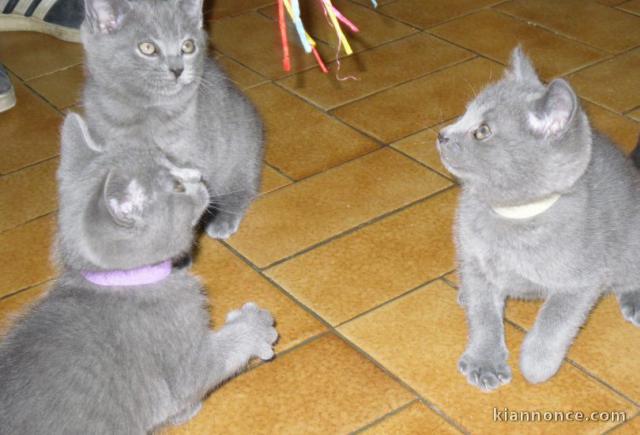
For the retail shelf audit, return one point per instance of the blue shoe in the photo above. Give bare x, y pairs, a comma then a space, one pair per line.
59, 18
7, 93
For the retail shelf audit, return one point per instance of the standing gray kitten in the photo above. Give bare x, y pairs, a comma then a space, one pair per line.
113, 351
549, 209
149, 75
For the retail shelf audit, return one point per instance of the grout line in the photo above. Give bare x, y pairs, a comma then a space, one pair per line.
633, 109
332, 108
394, 298
25, 289
359, 226
618, 426
279, 171
383, 417
28, 221
29, 165
551, 30
399, 380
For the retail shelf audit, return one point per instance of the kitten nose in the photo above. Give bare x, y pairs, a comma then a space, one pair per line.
177, 71
442, 139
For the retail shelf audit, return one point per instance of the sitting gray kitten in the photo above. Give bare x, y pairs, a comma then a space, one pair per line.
549, 209
149, 75
112, 351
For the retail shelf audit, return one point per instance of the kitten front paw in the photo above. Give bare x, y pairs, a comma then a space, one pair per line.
223, 226
630, 306
484, 373
257, 334
539, 360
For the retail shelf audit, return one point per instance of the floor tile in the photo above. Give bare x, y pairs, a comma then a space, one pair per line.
227, 8
623, 131
30, 54
634, 115
630, 428
632, 6
262, 52
428, 13
415, 419
322, 387
604, 347
241, 75
29, 133
420, 338
610, 83
422, 147
375, 29
12, 307
585, 21
611, 2
28, 247
28, 193
301, 140
495, 35
62, 88
375, 70
366, 268
420, 103
291, 219
272, 180
231, 283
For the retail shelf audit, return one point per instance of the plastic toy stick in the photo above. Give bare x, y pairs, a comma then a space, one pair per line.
328, 7
319, 60
286, 60
342, 18
297, 22
289, 9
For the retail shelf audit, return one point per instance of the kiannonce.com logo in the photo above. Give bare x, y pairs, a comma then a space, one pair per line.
507, 415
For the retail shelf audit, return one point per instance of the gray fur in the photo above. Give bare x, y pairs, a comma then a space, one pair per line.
586, 244
121, 360
200, 119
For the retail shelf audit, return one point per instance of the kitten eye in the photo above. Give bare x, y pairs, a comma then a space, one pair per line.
178, 187
188, 46
482, 132
147, 48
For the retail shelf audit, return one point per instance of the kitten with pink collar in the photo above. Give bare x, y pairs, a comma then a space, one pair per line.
122, 344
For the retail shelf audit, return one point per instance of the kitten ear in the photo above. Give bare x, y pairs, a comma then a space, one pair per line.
521, 68
105, 16
192, 8
555, 110
77, 146
124, 198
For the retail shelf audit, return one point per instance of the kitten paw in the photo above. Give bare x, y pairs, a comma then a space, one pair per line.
185, 415
258, 334
538, 360
630, 306
483, 373
223, 226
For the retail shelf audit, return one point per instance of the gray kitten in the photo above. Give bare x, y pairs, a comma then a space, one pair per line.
549, 209
149, 75
122, 352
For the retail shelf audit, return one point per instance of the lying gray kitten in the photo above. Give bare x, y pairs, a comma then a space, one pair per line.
149, 75
109, 351
549, 209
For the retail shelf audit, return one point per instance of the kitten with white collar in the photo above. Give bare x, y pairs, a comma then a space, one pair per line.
122, 344
550, 209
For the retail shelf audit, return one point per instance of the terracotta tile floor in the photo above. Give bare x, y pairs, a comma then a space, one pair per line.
350, 243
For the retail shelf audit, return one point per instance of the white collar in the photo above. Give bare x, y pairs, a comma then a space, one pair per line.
526, 211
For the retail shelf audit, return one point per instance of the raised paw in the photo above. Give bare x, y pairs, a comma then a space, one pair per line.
484, 373
223, 226
540, 358
630, 306
257, 333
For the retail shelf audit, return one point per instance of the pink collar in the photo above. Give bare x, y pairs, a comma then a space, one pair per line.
130, 277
